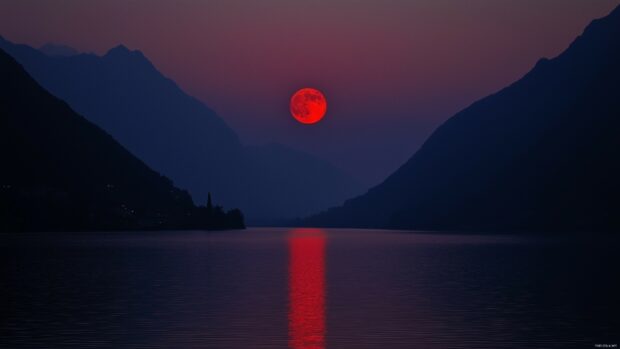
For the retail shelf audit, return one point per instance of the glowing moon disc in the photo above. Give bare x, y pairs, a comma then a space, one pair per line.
308, 105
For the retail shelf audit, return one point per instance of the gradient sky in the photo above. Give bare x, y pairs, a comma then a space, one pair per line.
391, 70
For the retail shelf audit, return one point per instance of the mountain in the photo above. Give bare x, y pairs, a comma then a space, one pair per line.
52, 49
180, 137
60, 172
298, 180
541, 154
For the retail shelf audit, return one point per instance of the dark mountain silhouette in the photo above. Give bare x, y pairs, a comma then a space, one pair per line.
179, 136
60, 172
294, 177
541, 154
52, 49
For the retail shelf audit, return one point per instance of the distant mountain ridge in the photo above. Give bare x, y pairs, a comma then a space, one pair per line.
60, 172
180, 136
52, 49
541, 154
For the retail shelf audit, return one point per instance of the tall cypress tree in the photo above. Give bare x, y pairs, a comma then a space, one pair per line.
209, 204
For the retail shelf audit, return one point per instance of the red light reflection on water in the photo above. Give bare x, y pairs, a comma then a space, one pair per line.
307, 289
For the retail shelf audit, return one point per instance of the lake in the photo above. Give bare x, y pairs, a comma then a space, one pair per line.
308, 288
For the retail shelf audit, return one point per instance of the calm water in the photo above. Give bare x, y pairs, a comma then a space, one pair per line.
307, 288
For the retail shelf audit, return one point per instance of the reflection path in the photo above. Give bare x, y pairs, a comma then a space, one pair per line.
307, 289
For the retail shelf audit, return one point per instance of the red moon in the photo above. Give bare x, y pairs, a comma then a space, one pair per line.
308, 105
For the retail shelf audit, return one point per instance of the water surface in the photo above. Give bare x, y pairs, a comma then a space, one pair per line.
307, 288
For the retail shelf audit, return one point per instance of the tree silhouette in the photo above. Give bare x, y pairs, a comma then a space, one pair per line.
209, 203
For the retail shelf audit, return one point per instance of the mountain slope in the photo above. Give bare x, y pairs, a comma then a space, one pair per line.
61, 172
542, 154
177, 135
297, 180
148, 114
52, 49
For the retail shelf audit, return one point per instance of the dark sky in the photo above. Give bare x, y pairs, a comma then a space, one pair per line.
391, 70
